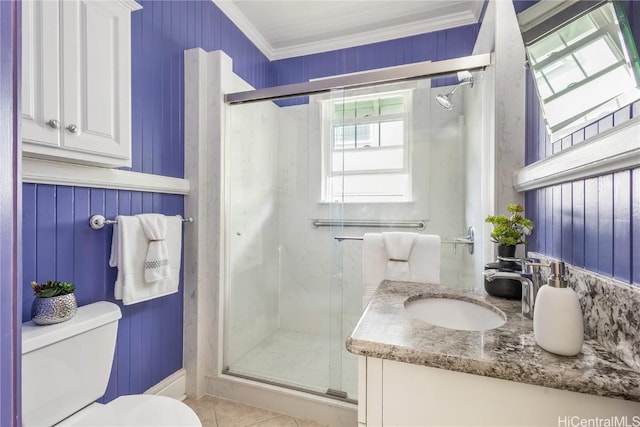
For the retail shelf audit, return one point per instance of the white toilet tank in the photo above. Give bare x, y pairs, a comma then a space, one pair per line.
66, 366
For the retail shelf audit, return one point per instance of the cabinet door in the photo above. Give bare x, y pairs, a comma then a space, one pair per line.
40, 73
96, 73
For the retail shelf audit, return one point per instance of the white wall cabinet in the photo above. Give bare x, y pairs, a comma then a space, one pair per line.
400, 394
76, 80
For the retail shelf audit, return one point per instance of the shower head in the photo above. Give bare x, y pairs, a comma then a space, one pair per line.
465, 78
445, 101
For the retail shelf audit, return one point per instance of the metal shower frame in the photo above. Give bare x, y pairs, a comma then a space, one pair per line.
367, 78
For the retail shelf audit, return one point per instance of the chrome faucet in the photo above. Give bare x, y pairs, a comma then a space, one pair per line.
529, 277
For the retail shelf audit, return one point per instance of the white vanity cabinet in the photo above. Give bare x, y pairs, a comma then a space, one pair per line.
393, 393
76, 80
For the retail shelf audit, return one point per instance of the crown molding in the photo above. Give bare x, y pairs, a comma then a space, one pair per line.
363, 38
238, 18
374, 36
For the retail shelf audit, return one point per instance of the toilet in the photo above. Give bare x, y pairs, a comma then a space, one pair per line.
66, 368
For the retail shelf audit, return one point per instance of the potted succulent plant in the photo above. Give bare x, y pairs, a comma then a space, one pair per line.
55, 302
509, 231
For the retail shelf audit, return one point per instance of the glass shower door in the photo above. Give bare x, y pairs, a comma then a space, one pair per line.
283, 321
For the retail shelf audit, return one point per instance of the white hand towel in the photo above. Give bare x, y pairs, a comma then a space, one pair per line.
425, 259
156, 266
398, 246
374, 264
128, 253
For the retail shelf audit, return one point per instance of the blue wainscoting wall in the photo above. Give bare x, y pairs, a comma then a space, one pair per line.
591, 223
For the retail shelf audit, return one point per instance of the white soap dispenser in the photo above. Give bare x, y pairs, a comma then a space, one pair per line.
557, 316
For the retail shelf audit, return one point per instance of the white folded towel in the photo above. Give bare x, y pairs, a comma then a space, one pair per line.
398, 247
156, 265
129, 247
423, 261
374, 264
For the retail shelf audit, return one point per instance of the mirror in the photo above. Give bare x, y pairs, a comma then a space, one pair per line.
583, 59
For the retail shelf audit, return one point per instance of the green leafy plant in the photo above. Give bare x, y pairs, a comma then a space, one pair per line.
52, 288
510, 230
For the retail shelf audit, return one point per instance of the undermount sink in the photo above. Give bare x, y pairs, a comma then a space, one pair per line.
455, 314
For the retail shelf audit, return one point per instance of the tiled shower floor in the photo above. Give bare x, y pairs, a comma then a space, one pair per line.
299, 360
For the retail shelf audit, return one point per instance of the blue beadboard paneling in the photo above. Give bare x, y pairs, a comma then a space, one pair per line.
605, 225
577, 232
622, 226
591, 253
434, 46
566, 208
149, 345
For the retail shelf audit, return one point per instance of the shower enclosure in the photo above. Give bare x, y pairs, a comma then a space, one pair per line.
307, 176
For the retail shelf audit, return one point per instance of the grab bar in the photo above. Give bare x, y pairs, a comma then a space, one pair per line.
418, 225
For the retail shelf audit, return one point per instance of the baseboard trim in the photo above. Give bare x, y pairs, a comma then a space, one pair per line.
175, 386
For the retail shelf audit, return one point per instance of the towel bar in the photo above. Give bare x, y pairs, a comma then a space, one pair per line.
418, 224
97, 222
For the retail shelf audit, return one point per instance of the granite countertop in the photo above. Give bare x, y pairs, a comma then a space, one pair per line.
508, 352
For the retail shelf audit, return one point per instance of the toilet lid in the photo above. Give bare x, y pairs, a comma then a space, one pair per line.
136, 410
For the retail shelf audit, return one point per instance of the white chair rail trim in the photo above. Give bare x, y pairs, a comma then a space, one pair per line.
37, 171
615, 149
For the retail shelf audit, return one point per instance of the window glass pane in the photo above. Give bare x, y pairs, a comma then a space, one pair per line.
391, 105
391, 133
368, 108
344, 136
592, 93
596, 56
578, 29
562, 73
367, 135
367, 160
345, 110
545, 48
543, 88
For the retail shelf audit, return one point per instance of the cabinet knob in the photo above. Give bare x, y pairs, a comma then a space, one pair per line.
72, 128
53, 124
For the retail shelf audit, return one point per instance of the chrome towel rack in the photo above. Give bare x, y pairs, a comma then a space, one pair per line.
97, 222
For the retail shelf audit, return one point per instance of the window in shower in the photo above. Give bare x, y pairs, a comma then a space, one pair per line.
366, 149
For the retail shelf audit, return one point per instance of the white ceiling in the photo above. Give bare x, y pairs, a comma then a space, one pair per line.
288, 28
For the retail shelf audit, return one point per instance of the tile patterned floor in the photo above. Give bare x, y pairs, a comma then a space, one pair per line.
216, 412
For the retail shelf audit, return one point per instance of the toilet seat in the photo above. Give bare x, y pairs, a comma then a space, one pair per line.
133, 411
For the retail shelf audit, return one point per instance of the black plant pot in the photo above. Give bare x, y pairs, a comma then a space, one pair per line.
504, 288
506, 251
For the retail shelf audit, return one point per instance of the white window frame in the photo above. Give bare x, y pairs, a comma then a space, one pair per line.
328, 149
